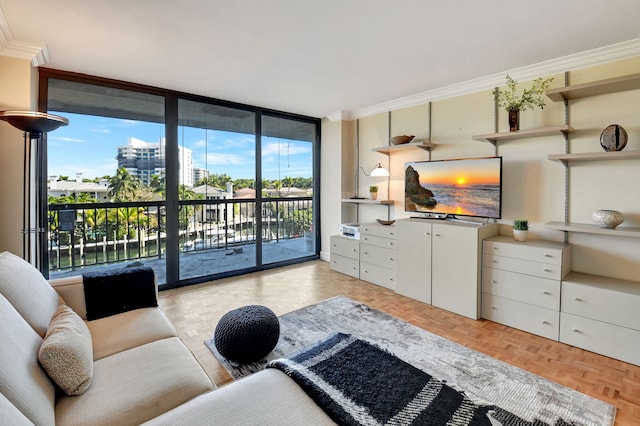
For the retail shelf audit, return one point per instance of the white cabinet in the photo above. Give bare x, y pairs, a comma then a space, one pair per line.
378, 254
521, 283
601, 314
413, 273
456, 266
345, 256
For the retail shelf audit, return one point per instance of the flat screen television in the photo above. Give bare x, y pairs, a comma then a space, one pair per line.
470, 187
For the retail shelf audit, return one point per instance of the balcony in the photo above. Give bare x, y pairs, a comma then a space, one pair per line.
214, 235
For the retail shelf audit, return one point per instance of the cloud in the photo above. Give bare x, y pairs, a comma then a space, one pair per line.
284, 148
218, 159
66, 139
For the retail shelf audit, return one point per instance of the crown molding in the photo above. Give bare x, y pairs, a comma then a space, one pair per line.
594, 57
37, 54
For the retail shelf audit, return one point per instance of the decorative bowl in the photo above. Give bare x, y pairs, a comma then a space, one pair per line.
608, 218
385, 222
399, 140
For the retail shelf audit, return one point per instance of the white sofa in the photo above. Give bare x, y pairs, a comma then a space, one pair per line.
141, 370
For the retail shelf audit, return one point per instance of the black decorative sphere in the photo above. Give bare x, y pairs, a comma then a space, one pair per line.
247, 334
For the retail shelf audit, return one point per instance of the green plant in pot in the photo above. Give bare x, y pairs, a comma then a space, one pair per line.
514, 102
520, 229
373, 192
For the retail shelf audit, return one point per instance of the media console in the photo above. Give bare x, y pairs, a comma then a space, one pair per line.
435, 261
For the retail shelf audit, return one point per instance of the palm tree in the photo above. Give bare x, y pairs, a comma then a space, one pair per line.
123, 186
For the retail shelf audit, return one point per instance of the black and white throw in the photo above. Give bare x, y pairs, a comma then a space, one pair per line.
357, 383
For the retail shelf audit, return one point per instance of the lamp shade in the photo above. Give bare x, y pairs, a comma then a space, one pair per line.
379, 171
32, 121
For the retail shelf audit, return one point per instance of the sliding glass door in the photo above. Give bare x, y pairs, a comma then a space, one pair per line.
194, 187
217, 205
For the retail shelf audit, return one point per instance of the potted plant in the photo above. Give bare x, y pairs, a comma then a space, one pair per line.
373, 192
520, 229
513, 102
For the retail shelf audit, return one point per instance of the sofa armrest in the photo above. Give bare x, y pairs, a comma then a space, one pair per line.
71, 289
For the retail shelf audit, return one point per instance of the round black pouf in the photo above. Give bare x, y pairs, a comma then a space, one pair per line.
247, 334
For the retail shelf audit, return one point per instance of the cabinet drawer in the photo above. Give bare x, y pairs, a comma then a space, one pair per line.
378, 241
378, 275
345, 265
537, 251
600, 337
544, 270
345, 247
378, 256
604, 303
524, 288
532, 319
377, 230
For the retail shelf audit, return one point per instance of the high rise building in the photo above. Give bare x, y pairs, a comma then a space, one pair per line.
145, 159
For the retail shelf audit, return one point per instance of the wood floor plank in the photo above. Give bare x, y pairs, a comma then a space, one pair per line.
195, 311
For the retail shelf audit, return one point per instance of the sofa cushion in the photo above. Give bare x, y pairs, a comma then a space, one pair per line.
66, 353
268, 397
125, 331
135, 385
27, 290
11, 416
22, 381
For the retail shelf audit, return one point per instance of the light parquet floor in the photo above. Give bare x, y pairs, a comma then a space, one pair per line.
195, 311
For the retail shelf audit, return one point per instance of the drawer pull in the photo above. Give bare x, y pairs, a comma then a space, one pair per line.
547, 293
391, 259
353, 250
548, 270
391, 279
437, 235
577, 299
427, 234
546, 323
495, 247
390, 244
548, 255
391, 233
366, 229
575, 330
494, 282
494, 261
353, 267
366, 252
494, 308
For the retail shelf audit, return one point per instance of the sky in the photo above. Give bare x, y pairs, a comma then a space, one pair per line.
88, 145
481, 171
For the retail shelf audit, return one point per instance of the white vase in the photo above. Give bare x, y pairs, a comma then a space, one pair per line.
520, 235
373, 195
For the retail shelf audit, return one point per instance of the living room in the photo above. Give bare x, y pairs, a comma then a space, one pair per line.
454, 119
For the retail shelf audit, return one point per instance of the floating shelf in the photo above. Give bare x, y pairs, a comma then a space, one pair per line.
595, 88
594, 229
427, 146
367, 201
595, 156
522, 134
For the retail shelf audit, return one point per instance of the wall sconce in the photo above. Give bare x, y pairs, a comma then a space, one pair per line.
378, 171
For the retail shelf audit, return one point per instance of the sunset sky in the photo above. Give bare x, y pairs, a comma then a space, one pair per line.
481, 171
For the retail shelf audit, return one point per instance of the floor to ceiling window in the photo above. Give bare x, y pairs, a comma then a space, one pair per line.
194, 187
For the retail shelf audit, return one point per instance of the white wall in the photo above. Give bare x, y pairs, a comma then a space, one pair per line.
533, 186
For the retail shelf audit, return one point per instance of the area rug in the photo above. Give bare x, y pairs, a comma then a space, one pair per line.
479, 376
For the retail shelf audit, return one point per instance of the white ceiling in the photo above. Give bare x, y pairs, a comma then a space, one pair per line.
312, 57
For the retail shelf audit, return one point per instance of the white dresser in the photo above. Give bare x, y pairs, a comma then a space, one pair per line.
521, 283
378, 254
602, 315
345, 256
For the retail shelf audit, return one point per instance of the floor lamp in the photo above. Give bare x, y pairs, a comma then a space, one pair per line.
35, 126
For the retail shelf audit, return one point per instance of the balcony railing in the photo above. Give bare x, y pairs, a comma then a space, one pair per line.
82, 235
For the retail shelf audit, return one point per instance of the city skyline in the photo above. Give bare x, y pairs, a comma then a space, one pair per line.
89, 146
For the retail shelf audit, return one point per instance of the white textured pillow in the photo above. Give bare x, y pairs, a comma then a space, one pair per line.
66, 353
